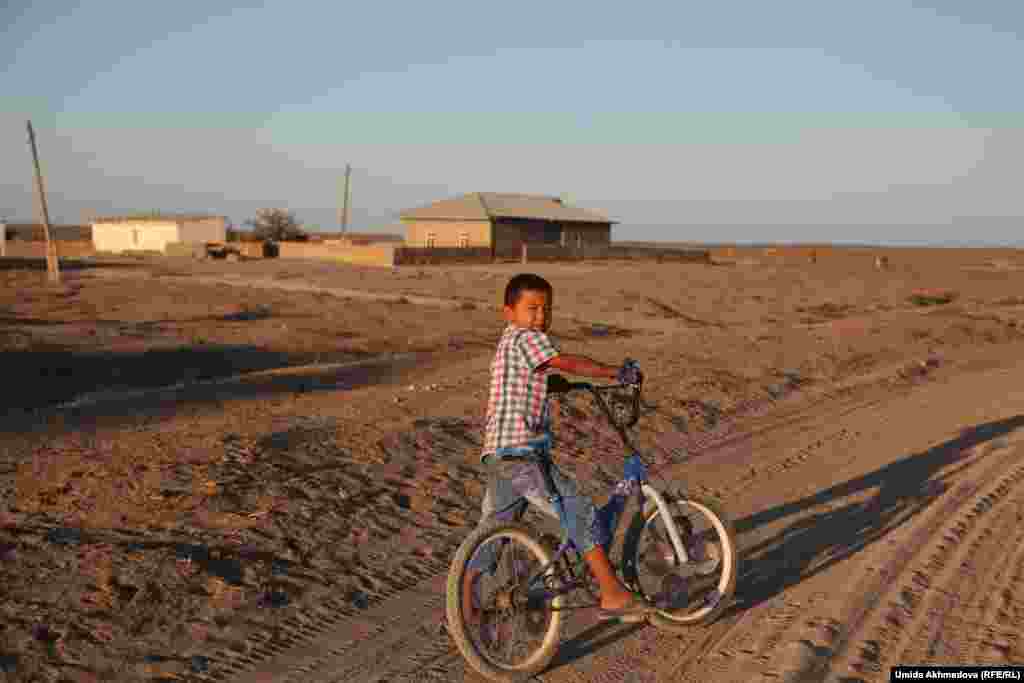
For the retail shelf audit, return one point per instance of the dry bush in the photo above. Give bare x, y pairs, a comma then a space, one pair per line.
828, 309
932, 298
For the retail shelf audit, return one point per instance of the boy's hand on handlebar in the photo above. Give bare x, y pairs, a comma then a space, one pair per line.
630, 373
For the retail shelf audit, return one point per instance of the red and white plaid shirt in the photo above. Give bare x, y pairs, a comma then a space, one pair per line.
517, 408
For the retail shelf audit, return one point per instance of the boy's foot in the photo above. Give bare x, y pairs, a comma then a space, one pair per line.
635, 610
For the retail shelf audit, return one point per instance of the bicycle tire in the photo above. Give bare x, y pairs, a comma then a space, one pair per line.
729, 554
540, 660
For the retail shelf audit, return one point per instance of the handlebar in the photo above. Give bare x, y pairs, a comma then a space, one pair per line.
558, 384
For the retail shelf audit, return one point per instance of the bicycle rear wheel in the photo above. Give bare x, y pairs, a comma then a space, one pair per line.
517, 634
686, 593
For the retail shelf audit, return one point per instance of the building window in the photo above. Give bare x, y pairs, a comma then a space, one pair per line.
431, 240
463, 239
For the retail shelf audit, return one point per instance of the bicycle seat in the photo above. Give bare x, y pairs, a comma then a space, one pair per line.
537, 448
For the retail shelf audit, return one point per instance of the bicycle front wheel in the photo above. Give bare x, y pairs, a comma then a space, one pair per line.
515, 633
691, 591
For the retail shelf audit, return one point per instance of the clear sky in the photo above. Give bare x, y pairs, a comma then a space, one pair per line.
886, 120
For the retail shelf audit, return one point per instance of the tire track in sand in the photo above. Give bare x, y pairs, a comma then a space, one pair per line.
996, 633
340, 636
930, 589
961, 581
921, 569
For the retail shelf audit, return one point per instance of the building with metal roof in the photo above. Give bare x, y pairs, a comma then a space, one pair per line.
504, 222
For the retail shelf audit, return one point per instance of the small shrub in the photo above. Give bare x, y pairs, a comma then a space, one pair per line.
932, 298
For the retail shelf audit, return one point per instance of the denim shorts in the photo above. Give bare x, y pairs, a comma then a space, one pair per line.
512, 484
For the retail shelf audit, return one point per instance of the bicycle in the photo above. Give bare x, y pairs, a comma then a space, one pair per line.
685, 572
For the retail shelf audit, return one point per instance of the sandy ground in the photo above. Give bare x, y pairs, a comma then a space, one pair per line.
286, 506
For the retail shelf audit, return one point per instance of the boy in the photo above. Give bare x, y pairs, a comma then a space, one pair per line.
518, 422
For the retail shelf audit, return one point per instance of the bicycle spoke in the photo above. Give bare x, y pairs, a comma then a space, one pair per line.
676, 586
515, 619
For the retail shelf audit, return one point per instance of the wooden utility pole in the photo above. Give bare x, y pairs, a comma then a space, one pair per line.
52, 264
344, 215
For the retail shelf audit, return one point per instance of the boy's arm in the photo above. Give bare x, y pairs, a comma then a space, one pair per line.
580, 365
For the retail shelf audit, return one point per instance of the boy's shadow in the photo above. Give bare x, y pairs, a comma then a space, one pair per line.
905, 488
814, 543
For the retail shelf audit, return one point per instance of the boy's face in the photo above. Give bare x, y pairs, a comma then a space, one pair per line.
532, 311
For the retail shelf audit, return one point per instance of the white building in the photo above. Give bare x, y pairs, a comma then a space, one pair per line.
155, 232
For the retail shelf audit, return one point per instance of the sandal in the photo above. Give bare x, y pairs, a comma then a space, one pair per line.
636, 610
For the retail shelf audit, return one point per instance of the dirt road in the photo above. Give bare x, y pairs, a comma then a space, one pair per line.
874, 528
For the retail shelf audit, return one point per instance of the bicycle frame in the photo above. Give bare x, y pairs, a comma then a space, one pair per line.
644, 490
567, 545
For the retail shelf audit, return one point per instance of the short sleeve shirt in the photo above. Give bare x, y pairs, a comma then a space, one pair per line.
517, 407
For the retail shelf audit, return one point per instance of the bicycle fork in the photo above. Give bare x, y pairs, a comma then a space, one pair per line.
611, 514
670, 524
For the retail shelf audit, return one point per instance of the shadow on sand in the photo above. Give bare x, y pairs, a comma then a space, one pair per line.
814, 543
56, 376
161, 383
225, 561
146, 328
66, 264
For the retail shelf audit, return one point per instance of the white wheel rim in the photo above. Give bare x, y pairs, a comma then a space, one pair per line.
541, 554
726, 559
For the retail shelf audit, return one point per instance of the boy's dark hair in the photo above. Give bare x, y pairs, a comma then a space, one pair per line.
525, 282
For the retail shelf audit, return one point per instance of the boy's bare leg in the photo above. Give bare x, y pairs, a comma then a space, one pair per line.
613, 594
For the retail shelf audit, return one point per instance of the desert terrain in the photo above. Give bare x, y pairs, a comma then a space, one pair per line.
259, 471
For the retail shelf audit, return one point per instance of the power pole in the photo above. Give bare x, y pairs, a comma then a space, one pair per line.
344, 215
52, 264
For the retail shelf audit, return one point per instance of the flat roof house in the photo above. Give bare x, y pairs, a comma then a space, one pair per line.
153, 232
34, 232
29, 239
504, 222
